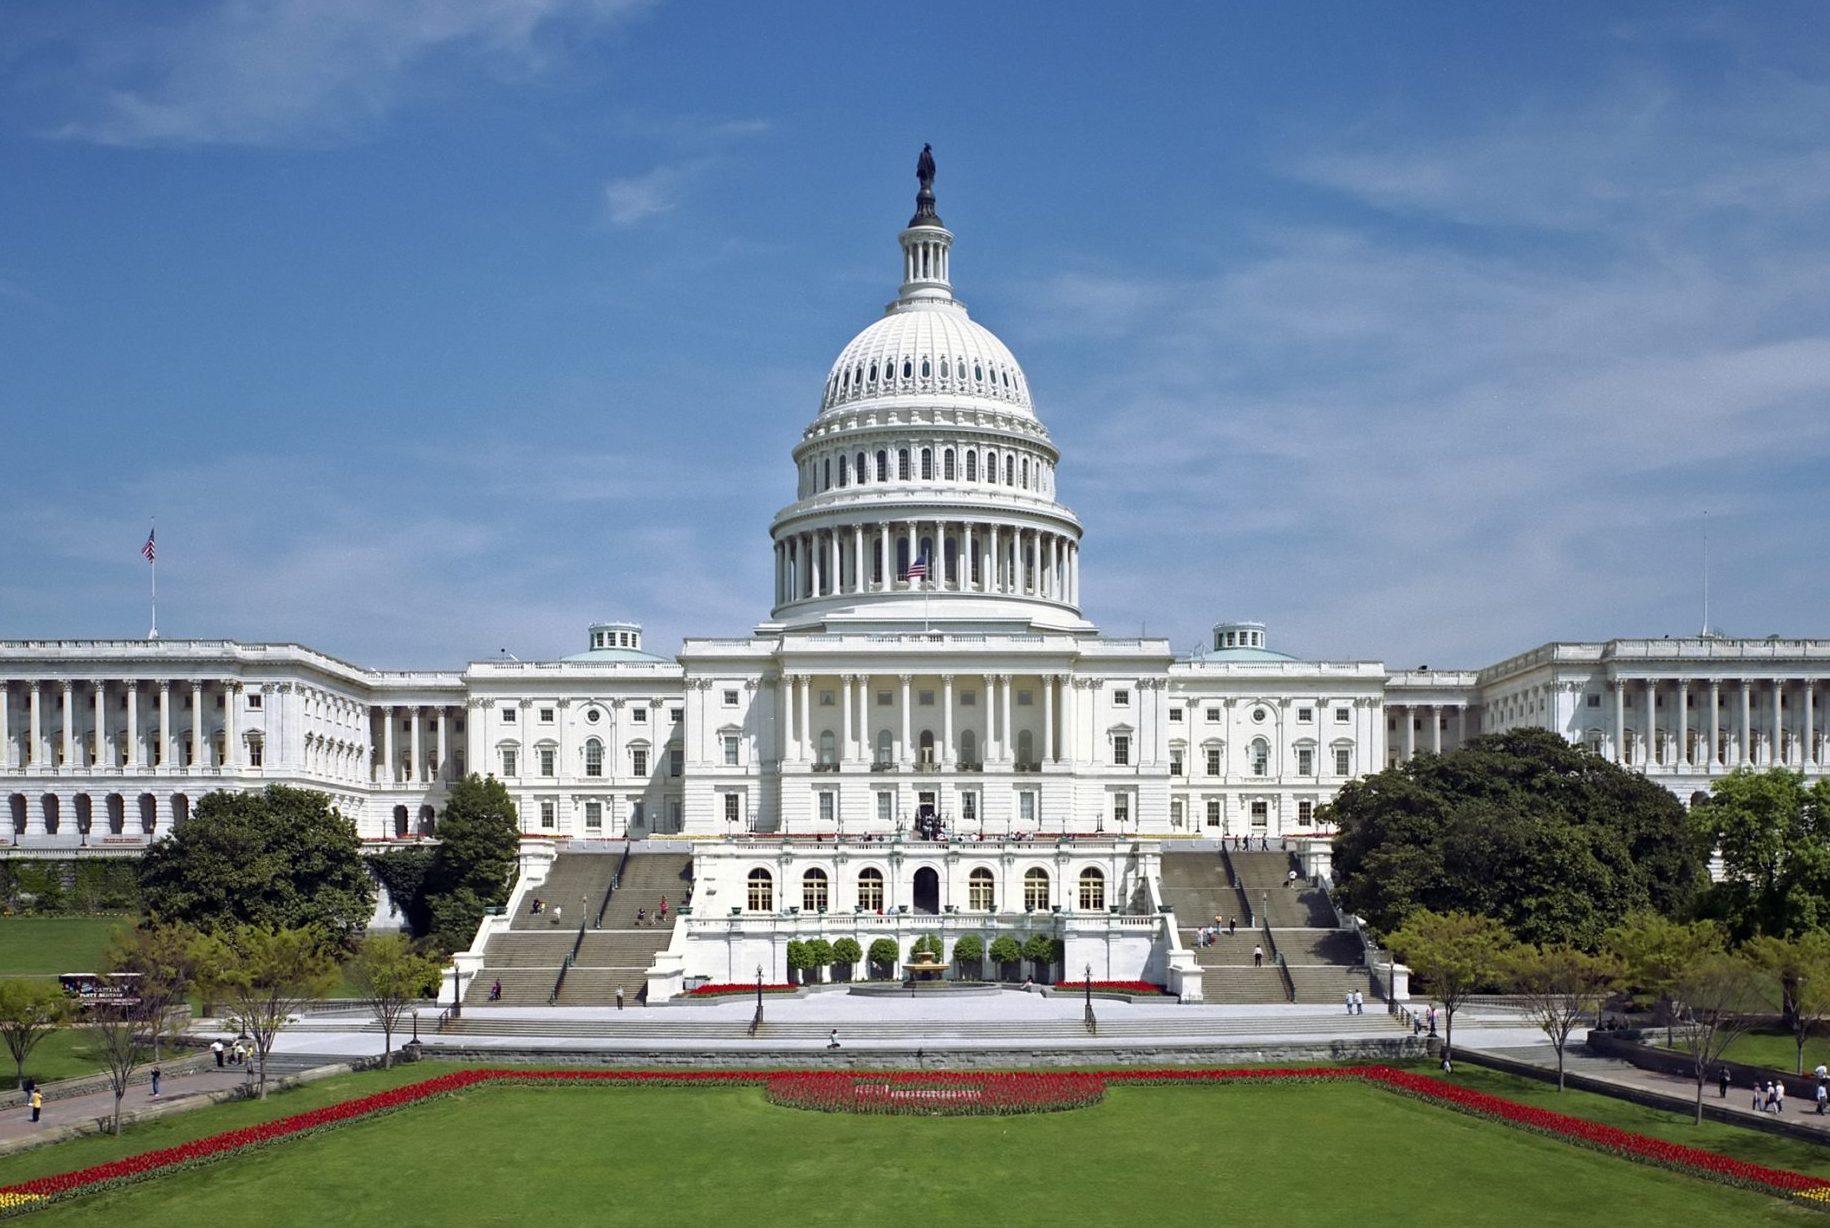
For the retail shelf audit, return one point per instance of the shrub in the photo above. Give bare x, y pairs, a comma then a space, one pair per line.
799, 960
1042, 950
969, 954
883, 957
1006, 953
819, 957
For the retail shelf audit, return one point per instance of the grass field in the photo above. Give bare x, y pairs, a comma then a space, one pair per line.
46, 946
1289, 1155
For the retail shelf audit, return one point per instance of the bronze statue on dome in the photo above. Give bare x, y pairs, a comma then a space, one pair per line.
924, 199
924, 168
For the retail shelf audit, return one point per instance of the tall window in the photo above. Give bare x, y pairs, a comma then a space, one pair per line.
883, 466
733, 807
1175, 763
1261, 814
886, 806
1213, 812
1092, 890
902, 464
813, 891
972, 466
1343, 761
731, 745
1305, 813
762, 891
510, 761
548, 814
829, 747
885, 748
946, 465
594, 757
827, 805
968, 747
927, 464
547, 757
870, 889
638, 761
981, 891
594, 815
1305, 761
1213, 761
1121, 749
1261, 757
1026, 806
1035, 890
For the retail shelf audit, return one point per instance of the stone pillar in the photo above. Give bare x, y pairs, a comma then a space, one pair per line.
68, 734
860, 578
416, 752
1051, 691
1650, 756
996, 576
231, 693
806, 716
1461, 725
1435, 713
914, 548
946, 719
6, 725
906, 754
1008, 739
1410, 732
164, 757
1715, 723
1778, 755
34, 747
1620, 721
1683, 733
1747, 724
1810, 722
387, 745
444, 758
99, 757
134, 759
196, 726
847, 693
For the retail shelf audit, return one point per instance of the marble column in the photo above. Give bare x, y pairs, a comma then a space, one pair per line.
1683, 725
34, 747
163, 759
1715, 756
906, 755
99, 757
946, 720
847, 693
1778, 756
444, 758
1747, 724
1410, 732
231, 693
1620, 721
417, 760
68, 734
1007, 737
1051, 691
196, 764
134, 759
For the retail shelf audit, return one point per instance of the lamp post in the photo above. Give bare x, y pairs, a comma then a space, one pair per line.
1092, 1024
759, 996
457, 1005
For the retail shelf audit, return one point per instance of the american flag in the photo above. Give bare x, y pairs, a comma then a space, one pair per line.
149, 550
918, 570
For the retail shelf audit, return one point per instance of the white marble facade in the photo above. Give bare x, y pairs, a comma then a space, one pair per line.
869, 699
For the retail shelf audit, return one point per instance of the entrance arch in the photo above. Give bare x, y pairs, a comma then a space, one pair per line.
927, 891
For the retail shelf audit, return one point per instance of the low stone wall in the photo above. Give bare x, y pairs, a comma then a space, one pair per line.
937, 1057
1801, 1089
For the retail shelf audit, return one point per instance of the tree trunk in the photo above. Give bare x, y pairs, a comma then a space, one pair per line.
1560, 1064
1448, 1034
115, 1125
1700, 1081
387, 1048
262, 1058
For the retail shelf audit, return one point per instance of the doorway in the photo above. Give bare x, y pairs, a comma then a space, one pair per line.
927, 891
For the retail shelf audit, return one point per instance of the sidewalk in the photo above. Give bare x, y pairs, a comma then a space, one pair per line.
89, 1113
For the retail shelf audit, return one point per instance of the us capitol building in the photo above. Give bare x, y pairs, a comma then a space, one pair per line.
924, 670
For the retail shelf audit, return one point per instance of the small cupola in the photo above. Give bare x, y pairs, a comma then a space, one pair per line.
1238, 635
616, 635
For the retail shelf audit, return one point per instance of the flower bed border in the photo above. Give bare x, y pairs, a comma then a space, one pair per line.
25, 1196
941, 1093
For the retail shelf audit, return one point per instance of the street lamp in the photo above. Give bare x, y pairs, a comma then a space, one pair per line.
759, 995
457, 1005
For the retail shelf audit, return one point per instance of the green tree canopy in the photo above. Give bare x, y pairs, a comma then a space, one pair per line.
30, 1010
392, 977
847, 951
1774, 835
1458, 953
269, 974
281, 858
474, 863
883, 955
1553, 841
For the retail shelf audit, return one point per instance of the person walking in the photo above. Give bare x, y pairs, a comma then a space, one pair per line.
1349, 997
216, 1048
1359, 1003
1722, 1080
1779, 1095
1230, 926
1257, 957
37, 1101
155, 1080
1290, 879
663, 910
619, 997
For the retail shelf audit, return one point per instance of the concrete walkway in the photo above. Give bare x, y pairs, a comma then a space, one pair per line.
87, 1113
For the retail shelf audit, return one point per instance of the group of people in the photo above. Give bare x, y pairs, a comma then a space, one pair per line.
1356, 1005
1770, 1094
1421, 1019
1207, 935
234, 1053
660, 915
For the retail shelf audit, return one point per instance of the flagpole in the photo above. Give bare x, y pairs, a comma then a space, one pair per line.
152, 559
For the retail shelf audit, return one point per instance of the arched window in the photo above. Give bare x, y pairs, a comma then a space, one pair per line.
902, 464
862, 469
1261, 757
594, 757
870, 889
978, 372
873, 373
943, 368
972, 466
844, 471
1025, 474
1026, 747
828, 747
908, 369
1092, 890
813, 891
946, 465
883, 466
927, 746
981, 891
991, 466
927, 464
886, 747
968, 747
1035, 889
762, 891
1010, 471
925, 369
826, 475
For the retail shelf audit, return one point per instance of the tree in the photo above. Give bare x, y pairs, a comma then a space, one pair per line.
883, 955
969, 954
1801, 968
164, 958
392, 976
819, 957
1561, 986
1456, 952
269, 975
1006, 953
29, 1012
1657, 951
1774, 837
1722, 994
474, 864
115, 1029
281, 858
799, 960
1552, 841
847, 954
1042, 950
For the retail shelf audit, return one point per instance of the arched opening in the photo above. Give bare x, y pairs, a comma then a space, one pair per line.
53, 816
829, 747
814, 891
15, 808
927, 748
149, 814
1026, 746
402, 827
968, 748
870, 889
927, 891
982, 891
886, 748
1035, 890
85, 814
181, 809
1261, 757
761, 893
428, 820
117, 815
594, 757
1092, 890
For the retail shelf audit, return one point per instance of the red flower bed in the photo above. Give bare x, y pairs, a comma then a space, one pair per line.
926, 1093
1109, 987
940, 1094
719, 991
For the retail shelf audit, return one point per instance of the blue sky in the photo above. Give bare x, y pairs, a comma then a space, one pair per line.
1424, 333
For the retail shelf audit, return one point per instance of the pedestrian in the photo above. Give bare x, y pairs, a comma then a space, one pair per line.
832, 1039
1257, 957
619, 997
1823, 1098
558, 912
216, 1048
1230, 927
1430, 1017
1359, 1003
1822, 1072
663, 910
1290, 879
641, 917
495, 990
1447, 1066
37, 1101
1722, 1080
1779, 1095
1350, 1002
155, 1080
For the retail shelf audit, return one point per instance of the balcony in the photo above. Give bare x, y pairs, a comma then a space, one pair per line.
882, 766
970, 767
1026, 767
826, 767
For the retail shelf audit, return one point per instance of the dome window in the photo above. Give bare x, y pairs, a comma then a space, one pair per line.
946, 465
972, 466
943, 368
927, 464
902, 464
978, 373
926, 371
883, 466
873, 373
863, 469
908, 369
844, 467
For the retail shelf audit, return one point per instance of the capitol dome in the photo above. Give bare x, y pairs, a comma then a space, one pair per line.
922, 349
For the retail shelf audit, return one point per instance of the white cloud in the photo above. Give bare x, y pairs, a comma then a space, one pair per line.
260, 72
636, 198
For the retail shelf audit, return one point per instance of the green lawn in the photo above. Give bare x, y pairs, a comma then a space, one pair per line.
1778, 1051
46, 946
63, 1054
1166, 1156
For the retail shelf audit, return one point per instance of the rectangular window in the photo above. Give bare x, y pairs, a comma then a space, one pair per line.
594, 816
1213, 761
1305, 716
254, 754
925, 698
1025, 699
730, 699
1121, 749
638, 812
547, 757
1261, 814
730, 750
1213, 812
1121, 698
508, 761
508, 717
1305, 762
1342, 716
676, 762
826, 806
886, 807
1026, 806
1305, 813
1213, 716
1121, 808
969, 807
1175, 763
638, 762
639, 715
675, 714
254, 701
1175, 716
1594, 701
1175, 812
546, 716
884, 699
548, 815
1343, 761
826, 699
968, 699
732, 803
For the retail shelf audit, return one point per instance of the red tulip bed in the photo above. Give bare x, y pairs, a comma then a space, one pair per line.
725, 991
1140, 987
925, 1093
940, 1094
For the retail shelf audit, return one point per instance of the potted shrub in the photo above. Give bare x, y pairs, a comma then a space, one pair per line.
883, 958
846, 955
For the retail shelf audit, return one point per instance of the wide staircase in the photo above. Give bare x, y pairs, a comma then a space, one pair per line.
614, 952
1323, 961
1198, 887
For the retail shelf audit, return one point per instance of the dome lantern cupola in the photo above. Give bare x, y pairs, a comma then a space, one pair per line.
927, 244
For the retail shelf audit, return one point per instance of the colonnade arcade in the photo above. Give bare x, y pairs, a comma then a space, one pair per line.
942, 736
1686, 724
126, 726
961, 557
